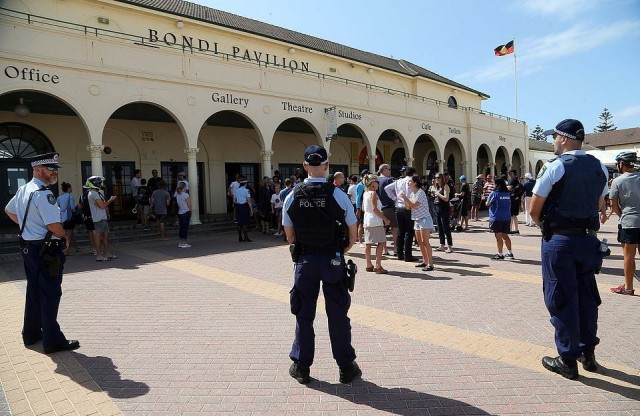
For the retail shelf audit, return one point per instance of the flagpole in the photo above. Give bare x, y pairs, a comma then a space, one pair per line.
515, 75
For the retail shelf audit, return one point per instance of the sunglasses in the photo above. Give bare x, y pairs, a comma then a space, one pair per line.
51, 169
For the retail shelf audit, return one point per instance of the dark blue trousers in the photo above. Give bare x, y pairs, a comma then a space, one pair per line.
404, 242
310, 270
43, 298
571, 293
183, 222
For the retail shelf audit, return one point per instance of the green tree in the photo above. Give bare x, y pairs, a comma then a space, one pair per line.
605, 122
536, 134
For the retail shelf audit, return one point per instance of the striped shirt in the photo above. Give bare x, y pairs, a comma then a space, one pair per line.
422, 210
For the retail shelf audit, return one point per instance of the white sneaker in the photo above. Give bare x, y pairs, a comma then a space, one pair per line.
185, 245
180, 245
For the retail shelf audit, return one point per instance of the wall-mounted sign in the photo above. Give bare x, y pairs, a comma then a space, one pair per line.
203, 45
30, 74
229, 99
147, 136
296, 108
426, 126
349, 114
454, 131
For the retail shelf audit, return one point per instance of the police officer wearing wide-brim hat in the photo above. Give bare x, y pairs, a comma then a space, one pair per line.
42, 241
312, 216
567, 198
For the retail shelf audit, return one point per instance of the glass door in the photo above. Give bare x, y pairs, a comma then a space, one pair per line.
12, 177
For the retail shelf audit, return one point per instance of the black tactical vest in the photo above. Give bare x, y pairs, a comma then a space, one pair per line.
317, 218
573, 200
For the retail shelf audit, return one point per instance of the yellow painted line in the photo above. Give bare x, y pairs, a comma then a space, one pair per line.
35, 383
512, 352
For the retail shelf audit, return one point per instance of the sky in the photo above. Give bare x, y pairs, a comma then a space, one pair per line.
574, 57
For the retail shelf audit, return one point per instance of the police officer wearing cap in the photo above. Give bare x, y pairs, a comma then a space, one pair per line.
42, 241
315, 217
567, 198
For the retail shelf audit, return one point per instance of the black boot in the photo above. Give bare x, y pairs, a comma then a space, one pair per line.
246, 237
350, 372
588, 361
300, 373
566, 368
240, 239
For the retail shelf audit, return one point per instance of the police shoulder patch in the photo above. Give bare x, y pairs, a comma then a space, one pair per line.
542, 170
51, 198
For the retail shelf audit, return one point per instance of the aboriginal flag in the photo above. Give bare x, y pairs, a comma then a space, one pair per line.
505, 49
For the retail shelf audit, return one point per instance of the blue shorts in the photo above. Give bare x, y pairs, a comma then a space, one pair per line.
500, 226
629, 235
424, 223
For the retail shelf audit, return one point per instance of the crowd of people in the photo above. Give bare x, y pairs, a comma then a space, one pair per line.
151, 200
567, 201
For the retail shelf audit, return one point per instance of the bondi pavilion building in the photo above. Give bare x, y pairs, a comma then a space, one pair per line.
119, 85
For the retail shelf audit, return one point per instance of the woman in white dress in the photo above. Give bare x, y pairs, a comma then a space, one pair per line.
374, 223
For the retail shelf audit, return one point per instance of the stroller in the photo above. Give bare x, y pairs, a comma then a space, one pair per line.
455, 216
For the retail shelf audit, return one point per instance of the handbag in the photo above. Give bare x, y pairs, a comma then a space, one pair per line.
76, 215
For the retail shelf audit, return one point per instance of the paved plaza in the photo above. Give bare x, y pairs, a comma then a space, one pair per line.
207, 330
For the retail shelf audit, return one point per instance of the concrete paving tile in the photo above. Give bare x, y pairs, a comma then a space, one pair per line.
421, 349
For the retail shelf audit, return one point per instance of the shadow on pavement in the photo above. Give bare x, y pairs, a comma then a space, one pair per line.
421, 276
399, 401
628, 392
105, 374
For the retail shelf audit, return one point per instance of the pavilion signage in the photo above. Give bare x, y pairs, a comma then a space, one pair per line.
30, 74
203, 45
227, 98
349, 114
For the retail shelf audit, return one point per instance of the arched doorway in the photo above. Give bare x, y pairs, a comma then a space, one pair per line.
432, 164
502, 162
484, 160
363, 162
18, 142
539, 166
146, 136
425, 155
397, 161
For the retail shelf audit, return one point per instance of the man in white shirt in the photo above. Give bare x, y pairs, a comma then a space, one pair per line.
395, 190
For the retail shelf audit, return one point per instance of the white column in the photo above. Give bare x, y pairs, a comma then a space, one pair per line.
266, 162
492, 165
96, 158
372, 163
440, 165
409, 161
192, 173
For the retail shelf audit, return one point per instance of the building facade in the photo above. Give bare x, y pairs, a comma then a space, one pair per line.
121, 85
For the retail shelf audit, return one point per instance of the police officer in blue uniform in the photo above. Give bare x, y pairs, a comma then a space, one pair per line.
567, 198
316, 216
42, 241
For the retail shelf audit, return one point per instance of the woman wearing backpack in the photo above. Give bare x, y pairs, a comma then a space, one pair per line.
67, 205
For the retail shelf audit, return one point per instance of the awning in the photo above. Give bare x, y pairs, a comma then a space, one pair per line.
605, 157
